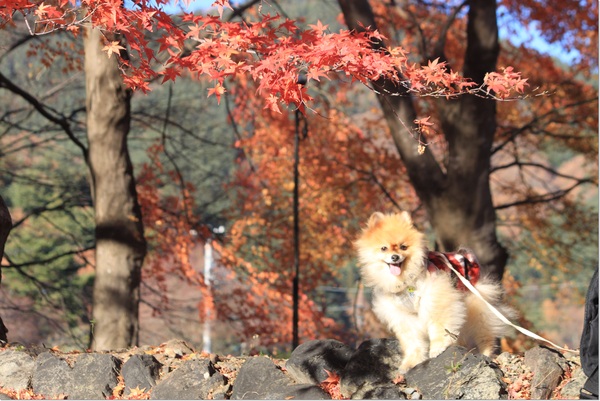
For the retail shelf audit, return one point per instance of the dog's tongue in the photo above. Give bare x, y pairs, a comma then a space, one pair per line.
395, 270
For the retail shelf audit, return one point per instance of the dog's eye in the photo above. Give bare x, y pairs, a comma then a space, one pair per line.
403, 247
384, 248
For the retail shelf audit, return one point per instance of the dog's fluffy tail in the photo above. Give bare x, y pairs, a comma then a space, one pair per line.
483, 328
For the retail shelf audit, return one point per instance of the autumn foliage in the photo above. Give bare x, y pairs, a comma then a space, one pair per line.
271, 50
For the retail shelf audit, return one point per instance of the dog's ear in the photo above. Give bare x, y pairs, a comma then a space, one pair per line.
374, 219
406, 217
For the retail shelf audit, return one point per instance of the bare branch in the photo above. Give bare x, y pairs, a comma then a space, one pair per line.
544, 198
44, 110
40, 262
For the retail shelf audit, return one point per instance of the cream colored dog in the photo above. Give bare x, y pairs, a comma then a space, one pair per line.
423, 307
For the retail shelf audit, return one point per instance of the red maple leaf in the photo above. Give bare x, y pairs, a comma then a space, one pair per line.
218, 90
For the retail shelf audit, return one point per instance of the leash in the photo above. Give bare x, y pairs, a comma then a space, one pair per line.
496, 312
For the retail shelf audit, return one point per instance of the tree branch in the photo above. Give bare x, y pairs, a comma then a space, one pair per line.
544, 198
54, 258
44, 110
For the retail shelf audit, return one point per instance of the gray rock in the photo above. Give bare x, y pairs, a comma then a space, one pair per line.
177, 348
51, 376
260, 379
457, 374
379, 392
193, 380
303, 392
94, 376
4, 397
310, 361
548, 367
375, 361
572, 389
16, 369
140, 371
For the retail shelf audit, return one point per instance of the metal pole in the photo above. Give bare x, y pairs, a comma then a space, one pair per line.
296, 284
208, 262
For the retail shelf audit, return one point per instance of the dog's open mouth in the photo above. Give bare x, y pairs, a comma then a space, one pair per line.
395, 268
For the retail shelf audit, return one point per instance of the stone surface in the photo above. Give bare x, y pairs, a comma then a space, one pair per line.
548, 366
572, 389
260, 379
301, 392
16, 369
369, 391
375, 361
310, 361
140, 371
457, 374
191, 380
369, 373
94, 376
51, 375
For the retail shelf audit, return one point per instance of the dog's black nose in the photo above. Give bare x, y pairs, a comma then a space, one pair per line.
395, 258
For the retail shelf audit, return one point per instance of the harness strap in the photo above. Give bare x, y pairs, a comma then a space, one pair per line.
463, 261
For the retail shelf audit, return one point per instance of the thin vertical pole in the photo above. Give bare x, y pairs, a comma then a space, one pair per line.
296, 284
208, 264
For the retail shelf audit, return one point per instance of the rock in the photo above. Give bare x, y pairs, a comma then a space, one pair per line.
369, 391
310, 361
4, 397
572, 389
375, 361
260, 379
94, 376
194, 379
51, 376
177, 348
16, 370
140, 371
457, 373
302, 392
548, 366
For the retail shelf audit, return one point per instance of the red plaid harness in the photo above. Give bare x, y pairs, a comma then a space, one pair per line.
464, 261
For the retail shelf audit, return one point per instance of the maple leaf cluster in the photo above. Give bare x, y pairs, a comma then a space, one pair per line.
271, 50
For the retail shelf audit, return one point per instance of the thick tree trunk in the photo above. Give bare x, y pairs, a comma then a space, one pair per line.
458, 201
5, 227
120, 243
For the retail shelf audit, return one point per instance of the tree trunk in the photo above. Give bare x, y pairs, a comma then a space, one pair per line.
120, 243
5, 227
458, 201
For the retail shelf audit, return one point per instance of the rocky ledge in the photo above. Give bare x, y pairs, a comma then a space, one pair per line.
318, 369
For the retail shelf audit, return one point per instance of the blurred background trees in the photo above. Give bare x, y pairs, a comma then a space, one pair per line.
223, 174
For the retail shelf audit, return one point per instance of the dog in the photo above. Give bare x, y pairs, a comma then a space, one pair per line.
420, 304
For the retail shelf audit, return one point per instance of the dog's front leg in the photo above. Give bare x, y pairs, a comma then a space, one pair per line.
444, 311
413, 342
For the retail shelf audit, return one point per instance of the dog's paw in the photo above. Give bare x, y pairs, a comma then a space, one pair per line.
435, 350
409, 362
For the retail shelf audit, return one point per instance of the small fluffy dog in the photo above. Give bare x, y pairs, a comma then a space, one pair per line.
422, 306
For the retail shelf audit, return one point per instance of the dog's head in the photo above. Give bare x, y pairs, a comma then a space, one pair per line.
391, 251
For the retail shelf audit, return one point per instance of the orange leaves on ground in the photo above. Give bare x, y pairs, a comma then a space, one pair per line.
331, 385
27, 394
